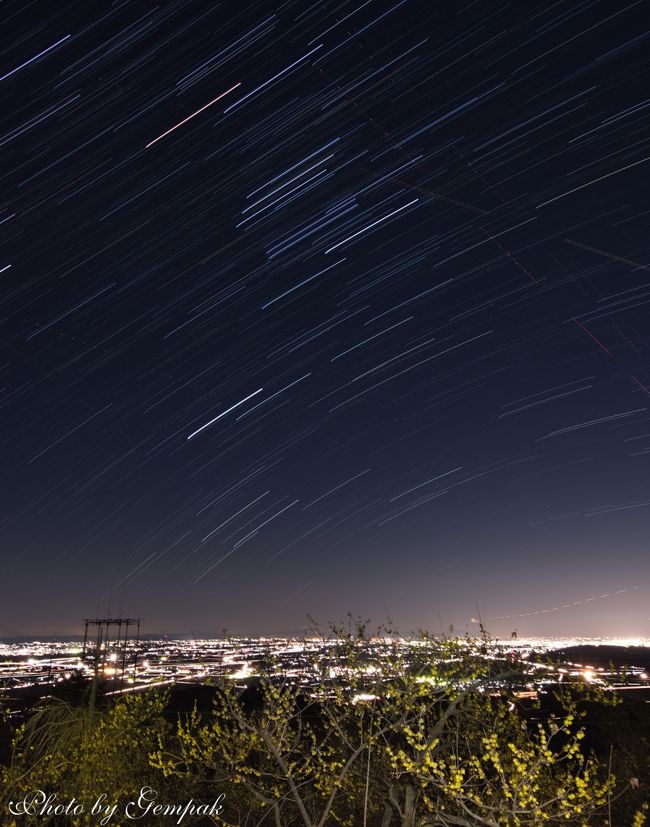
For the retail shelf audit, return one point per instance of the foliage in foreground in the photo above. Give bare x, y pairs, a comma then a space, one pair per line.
382, 737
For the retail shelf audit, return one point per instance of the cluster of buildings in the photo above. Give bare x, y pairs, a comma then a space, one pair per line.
127, 664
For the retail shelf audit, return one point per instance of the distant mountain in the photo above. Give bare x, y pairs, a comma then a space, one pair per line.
603, 655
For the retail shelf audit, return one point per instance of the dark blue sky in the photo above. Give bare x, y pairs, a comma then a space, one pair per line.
311, 307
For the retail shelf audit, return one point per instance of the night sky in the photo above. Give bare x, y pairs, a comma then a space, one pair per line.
310, 307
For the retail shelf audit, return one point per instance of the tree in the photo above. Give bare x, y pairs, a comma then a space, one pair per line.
84, 752
427, 733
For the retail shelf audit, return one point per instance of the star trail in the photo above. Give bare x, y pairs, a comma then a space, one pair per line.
310, 307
